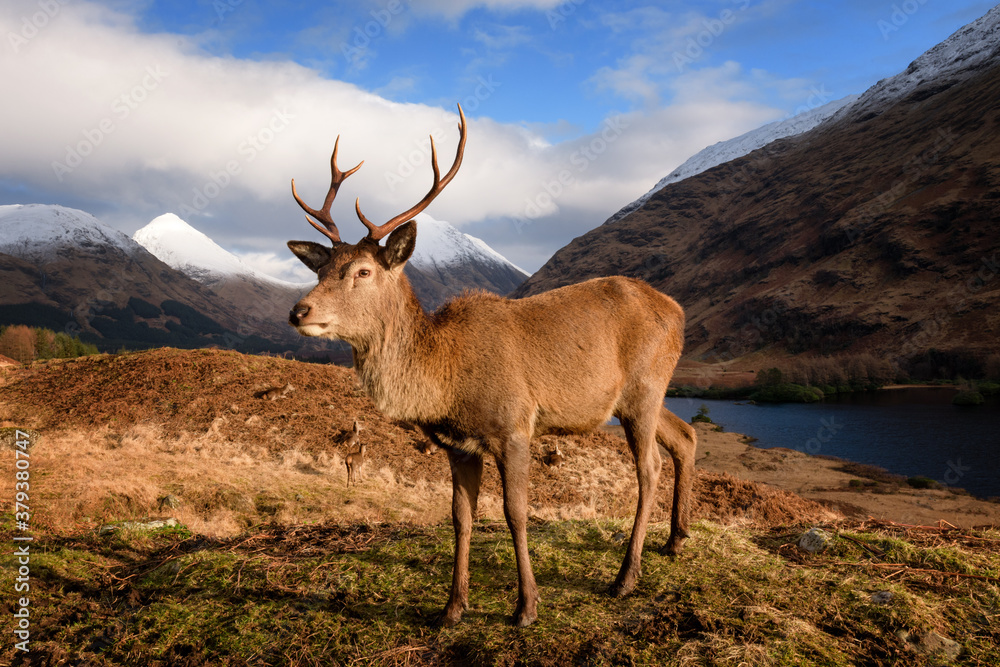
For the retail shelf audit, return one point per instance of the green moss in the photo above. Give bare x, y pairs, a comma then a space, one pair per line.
370, 595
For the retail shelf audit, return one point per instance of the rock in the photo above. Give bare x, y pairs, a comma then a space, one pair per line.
815, 540
155, 524
169, 500
933, 645
618, 538
882, 597
237, 501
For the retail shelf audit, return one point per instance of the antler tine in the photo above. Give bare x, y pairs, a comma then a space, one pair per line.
376, 232
337, 177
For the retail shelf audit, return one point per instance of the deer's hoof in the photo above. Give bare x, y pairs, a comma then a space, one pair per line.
620, 589
449, 620
673, 547
522, 619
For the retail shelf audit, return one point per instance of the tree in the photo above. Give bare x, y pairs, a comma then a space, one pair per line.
770, 378
702, 415
18, 342
45, 341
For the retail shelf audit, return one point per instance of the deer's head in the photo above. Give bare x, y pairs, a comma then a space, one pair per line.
359, 282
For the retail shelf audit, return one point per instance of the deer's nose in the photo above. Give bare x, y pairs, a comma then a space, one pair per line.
297, 314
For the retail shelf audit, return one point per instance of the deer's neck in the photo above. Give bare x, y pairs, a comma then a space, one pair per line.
405, 368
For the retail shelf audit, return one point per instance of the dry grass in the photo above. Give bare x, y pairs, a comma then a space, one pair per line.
93, 477
118, 433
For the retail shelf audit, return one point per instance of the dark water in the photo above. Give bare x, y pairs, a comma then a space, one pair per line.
907, 431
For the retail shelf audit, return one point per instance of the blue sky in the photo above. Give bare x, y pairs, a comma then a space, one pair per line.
182, 86
563, 67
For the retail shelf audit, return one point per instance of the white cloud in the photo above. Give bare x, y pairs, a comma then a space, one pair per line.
285, 268
137, 125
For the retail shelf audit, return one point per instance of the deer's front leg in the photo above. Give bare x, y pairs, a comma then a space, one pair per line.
466, 473
513, 468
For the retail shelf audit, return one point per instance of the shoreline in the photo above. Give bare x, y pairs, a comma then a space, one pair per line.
835, 483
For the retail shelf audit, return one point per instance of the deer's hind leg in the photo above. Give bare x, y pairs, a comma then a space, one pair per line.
513, 468
640, 432
679, 440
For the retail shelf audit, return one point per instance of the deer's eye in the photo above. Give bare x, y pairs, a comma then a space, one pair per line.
363, 273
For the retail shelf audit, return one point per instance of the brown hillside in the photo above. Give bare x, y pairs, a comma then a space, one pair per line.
145, 424
871, 232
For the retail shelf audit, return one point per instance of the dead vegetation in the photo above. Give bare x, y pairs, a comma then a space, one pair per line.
118, 433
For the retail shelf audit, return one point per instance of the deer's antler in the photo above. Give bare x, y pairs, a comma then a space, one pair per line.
323, 215
376, 232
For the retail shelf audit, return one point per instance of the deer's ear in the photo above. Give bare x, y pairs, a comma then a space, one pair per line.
312, 254
399, 245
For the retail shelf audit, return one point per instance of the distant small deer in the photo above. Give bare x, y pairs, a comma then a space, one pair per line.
555, 458
275, 393
484, 375
355, 461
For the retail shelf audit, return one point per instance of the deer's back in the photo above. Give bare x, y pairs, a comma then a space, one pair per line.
570, 352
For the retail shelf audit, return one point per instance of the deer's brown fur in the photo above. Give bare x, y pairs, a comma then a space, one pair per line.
484, 375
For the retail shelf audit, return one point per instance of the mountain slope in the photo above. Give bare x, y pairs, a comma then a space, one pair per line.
725, 151
873, 231
264, 301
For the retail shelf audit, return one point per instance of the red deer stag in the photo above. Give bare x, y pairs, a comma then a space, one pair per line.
483, 375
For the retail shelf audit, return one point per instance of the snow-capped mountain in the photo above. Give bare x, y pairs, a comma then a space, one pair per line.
447, 262
263, 300
730, 149
186, 249
440, 244
36, 231
965, 52
969, 50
